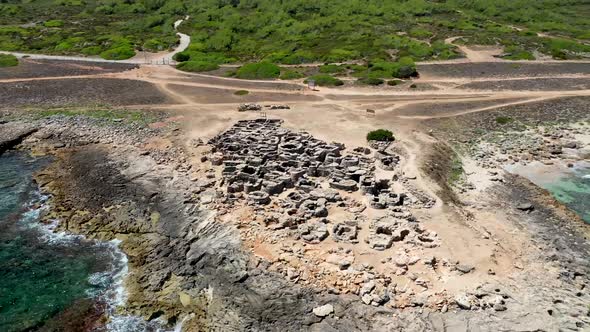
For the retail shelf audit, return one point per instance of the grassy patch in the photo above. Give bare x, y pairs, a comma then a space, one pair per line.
324, 80
54, 23
241, 92
258, 70
291, 75
8, 60
332, 69
456, 170
517, 53
382, 135
118, 53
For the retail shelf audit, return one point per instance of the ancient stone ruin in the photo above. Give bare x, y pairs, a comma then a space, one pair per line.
302, 177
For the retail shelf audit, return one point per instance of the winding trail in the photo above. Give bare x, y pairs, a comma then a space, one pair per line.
139, 58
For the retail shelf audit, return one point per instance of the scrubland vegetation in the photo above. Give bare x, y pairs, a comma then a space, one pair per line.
7, 60
298, 31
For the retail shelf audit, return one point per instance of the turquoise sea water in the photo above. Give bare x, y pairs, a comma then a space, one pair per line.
48, 282
573, 189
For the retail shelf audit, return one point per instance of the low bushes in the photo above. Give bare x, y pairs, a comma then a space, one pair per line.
181, 57
291, 75
258, 70
394, 82
324, 80
382, 135
8, 60
118, 53
516, 53
403, 68
331, 69
241, 92
197, 66
54, 23
370, 81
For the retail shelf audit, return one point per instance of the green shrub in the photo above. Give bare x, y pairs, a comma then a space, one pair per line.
214, 57
258, 70
197, 66
91, 50
181, 57
298, 58
503, 120
394, 82
382, 135
118, 53
331, 69
370, 81
8, 60
403, 68
420, 33
64, 46
289, 58
155, 45
241, 92
324, 80
517, 53
291, 75
54, 23
339, 55
413, 86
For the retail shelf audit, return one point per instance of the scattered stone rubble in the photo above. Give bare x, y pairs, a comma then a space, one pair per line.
257, 107
249, 107
278, 107
542, 144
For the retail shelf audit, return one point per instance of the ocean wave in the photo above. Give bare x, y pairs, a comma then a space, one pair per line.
107, 286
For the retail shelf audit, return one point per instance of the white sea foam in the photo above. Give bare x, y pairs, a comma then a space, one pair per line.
109, 285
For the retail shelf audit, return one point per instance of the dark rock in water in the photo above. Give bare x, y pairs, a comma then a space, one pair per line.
525, 207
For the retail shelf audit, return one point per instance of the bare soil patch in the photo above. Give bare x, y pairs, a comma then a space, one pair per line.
500, 69
80, 91
239, 84
448, 108
220, 96
536, 84
29, 68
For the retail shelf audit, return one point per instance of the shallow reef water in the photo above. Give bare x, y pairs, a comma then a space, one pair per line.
569, 185
48, 281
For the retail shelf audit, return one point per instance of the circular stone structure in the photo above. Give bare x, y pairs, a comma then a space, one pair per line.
259, 197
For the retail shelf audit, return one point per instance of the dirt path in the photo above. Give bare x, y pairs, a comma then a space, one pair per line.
532, 100
139, 58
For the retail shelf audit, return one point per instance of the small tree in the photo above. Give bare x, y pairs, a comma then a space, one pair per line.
382, 135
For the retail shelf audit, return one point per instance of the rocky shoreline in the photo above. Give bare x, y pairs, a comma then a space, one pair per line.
217, 258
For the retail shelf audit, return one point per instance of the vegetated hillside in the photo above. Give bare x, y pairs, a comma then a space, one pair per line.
296, 31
